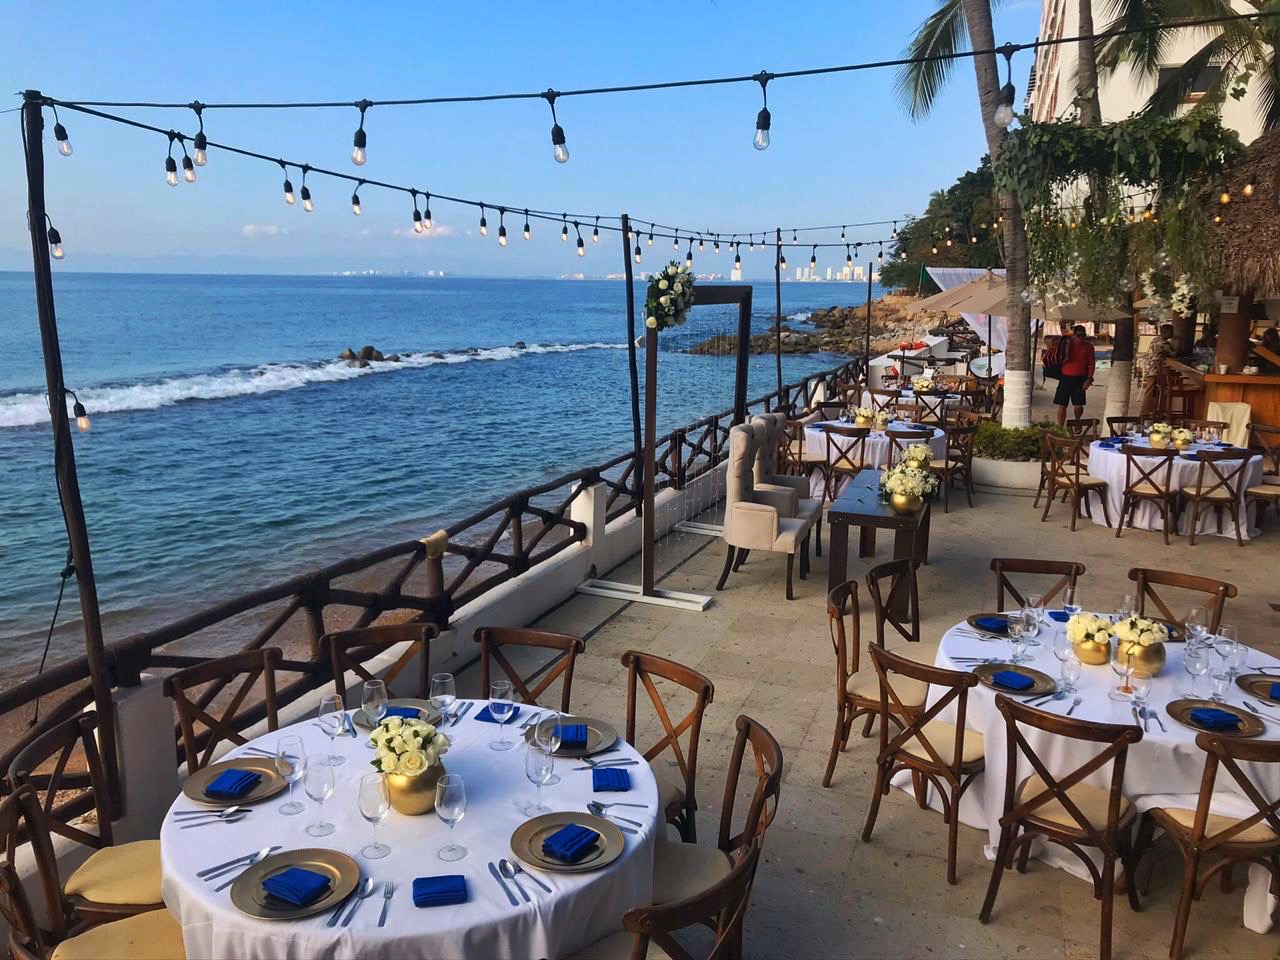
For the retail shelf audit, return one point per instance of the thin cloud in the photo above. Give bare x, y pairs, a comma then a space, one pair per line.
263, 230
439, 230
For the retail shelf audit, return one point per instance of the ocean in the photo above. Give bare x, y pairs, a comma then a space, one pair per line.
230, 448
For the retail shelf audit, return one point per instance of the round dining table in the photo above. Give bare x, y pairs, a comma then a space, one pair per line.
876, 451
1106, 462
579, 909
1164, 769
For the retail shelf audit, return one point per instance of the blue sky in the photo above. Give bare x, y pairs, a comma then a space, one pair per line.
843, 149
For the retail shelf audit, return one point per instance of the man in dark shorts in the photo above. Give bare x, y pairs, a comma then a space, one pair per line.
1077, 375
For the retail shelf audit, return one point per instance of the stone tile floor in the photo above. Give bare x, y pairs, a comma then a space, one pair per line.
820, 891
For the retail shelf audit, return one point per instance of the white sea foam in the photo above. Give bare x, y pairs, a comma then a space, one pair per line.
26, 409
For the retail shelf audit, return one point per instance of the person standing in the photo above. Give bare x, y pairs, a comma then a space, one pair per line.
1164, 346
1077, 375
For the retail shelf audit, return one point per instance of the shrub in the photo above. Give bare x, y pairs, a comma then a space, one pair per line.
995, 442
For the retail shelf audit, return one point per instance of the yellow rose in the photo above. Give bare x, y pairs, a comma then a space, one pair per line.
412, 763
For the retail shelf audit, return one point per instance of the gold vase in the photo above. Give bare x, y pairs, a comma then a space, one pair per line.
1182, 444
905, 503
917, 464
414, 796
1147, 660
862, 421
1093, 652
1158, 440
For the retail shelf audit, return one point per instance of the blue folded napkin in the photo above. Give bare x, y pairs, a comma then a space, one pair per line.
1221, 443
992, 624
570, 843
296, 886
605, 779
440, 891
404, 713
1059, 616
1011, 680
1274, 693
484, 714
1114, 442
1211, 718
572, 735
232, 784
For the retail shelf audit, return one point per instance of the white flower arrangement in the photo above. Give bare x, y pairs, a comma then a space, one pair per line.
1138, 631
864, 413
922, 384
1183, 435
1160, 429
918, 451
904, 481
669, 297
406, 747
1088, 627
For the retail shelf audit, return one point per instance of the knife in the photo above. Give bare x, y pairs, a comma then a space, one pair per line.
497, 876
457, 717
218, 867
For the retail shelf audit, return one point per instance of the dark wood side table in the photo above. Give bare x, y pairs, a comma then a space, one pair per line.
860, 506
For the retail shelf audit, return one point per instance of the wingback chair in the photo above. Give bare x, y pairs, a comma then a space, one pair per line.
765, 473
755, 519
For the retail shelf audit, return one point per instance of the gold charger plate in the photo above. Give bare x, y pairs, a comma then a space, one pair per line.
249, 898
1180, 710
526, 842
600, 736
270, 784
428, 710
1258, 685
973, 622
1041, 682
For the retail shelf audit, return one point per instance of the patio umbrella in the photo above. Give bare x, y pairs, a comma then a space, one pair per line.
955, 299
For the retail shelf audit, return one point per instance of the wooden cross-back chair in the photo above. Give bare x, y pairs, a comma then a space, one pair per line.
793, 458
248, 666
1253, 839
899, 440
1067, 572
883, 400
677, 794
846, 455
1084, 428
1065, 810
1215, 593
349, 650
931, 407
1067, 473
943, 754
888, 583
1220, 425
493, 639
965, 418
1266, 439
1149, 482
1219, 486
116, 880
957, 463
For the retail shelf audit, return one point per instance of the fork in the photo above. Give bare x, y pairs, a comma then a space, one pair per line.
388, 890
532, 719
1075, 703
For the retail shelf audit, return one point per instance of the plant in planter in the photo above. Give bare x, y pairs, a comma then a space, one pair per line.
994, 442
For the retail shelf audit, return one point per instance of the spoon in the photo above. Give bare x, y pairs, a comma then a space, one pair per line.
256, 858
192, 824
364, 893
600, 811
210, 873
506, 868
228, 812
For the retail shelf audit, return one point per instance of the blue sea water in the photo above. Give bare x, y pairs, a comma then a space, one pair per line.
230, 449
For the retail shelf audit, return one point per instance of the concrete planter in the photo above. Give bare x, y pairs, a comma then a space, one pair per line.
1012, 478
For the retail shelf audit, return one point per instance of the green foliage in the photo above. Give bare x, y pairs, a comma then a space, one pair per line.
995, 442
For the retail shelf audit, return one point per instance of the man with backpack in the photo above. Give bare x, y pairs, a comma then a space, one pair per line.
1076, 374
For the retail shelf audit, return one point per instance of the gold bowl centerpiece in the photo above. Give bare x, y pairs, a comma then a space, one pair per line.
1159, 435
409, 752
905, 487
922, 384
1090, 636
1140, 644
1183, 438
864, 417
917, 456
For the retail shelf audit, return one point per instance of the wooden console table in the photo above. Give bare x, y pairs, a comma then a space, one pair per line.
860, 506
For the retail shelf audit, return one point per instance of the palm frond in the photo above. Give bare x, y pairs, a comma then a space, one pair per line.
1172, 93
1268, 87
1147, 51
944, 32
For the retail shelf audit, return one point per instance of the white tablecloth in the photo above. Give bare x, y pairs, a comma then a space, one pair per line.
1109, 465
1163, 769
581, 909
876, 449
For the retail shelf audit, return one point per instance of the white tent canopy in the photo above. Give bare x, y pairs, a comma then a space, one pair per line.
980, 323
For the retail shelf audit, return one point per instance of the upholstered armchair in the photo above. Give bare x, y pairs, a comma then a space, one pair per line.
765, 474
755, 519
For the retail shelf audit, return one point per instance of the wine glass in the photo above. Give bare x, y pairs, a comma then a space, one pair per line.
318, 782
333, 720
1220, 683
1225, 646
1017, 640
1072, 668
444, 693
291, 763
1124, 609
501, 706
451, 807
374, 701
1035, 604
1072, 597
374, 802
538, 768
1030, 626
1064, 650
546, 736
1239, 658
1196, 624
1195, 661
1122, 667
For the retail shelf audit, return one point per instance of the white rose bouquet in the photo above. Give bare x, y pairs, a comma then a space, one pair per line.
918, 451
864, 413
1183, 435
907, 481
881, 420
669, 297
1084, 627
406, 747
1138, 631
922, 384
1160, 428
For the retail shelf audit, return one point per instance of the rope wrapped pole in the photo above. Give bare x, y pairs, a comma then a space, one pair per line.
777, 299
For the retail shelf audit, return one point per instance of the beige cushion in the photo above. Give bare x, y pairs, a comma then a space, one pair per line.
938, 464
790, 533
681, 870
1264, 490
942, 737
670, 779
1091, 800
1258, 833
154, 935
125, 874
812, 509
618, 946
1193, 489
866, 683
1146, 488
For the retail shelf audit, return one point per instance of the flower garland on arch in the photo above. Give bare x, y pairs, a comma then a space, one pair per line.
669, 297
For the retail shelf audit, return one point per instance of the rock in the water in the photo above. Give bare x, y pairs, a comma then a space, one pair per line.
359, 362
366, 352
393, 358
521, 345
347, 354
436, 355
377, 355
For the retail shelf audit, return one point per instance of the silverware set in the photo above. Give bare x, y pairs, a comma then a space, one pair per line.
1045, 698
533, 719
454, 718
977, 634
599, 810
505, 870
234, 867
493, 870
190, 819
1253, 708
364, 890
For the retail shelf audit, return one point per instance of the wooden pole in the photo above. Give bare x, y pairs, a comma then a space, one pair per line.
777, 299
743, 365
650, 448
866, 351
631, 355
64, 457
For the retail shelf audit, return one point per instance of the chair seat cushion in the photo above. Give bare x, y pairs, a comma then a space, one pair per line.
1258, 833
681, 870
866, 682
670, 780
1091, 800
791, 531
942, 737
128, 873
1147, 489
153, 935
938, 464
812, 510
1264, 490
618, 946
1085, 481
1207, 492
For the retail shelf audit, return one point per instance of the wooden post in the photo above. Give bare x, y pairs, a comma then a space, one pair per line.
1233, 336
632, 364
744, 356
650, 449
777, 296
866, 355
64, 457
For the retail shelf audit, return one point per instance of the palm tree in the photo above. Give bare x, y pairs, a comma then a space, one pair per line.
948, 30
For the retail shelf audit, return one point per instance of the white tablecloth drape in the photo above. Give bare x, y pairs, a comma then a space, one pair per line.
1109, 465
1163, 769
581, 908
876, 449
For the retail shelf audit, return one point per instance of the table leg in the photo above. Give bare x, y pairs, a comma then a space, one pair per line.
837, 555
866, 541
922, 534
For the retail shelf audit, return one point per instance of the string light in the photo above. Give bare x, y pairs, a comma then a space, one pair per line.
528, 234
188, 168
934, 249
764, 119
716, 247
637, 253
1148, 213
595, 234
564, 229
288, 186
355, 198
426, 213
650, 243
737, 257
782, 262
417, 214
502, 228
358, 142
848, 257
1133, 216
894, 235
1224, 197
842, 237
558, 148
880, 254
675, 242
170, 164
55, 240
200, 141
484, 224
1249, 185
79, 412
307, 205
813, 258
1004, 112
60, 135
688, 260
582, 247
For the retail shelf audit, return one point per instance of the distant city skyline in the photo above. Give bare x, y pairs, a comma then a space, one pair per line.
673, 156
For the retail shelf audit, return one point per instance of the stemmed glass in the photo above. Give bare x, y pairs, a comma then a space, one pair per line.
1196, 623
1017, 640
1122, 667
1124, 608
333, 721
374, 802
1033, 613
501, 706
1064, 651
1071, 600
1072, 668
546, 736
451, 807
1195, 661
444, 693
1220, 683
538, 768
291, 763
318, 782
1233, 652
374, 701
1141, 684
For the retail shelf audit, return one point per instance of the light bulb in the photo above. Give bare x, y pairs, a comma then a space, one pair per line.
737, 260
426, 219
502, 236
64, 143
675, 244
55, 241
783, 262
948, 241
638, 255
1247, 190
701, 248
688, 262
1224, 197
763, 122
307, 205
651, 239
716, 247
558, 148
188, 170
171, 171
582, 248
288, 193
81, 415
935, 249
358, 156
1003, 116
564, 233
527, 232
355, 204
202, 146
595, 235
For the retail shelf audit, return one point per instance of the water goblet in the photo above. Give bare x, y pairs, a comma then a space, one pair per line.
1124, 609
451, 807
374, 701
1035, 604
1220, 683
1072, 669
1195, 661
546, 736
318, 783
1017, 640
444, 693
291, 763
1064, 650
1072, 597
1225, 647
538, 768
1239, 658
333, 720
1196, 624
1122, 667
374, 803
501, 707
1141, 684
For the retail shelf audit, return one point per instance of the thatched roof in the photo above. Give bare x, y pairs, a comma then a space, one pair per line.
1247, 242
